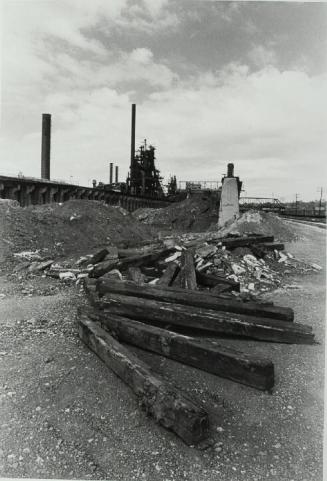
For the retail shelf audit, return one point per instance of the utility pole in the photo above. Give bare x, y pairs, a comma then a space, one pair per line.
321, 191
296, 200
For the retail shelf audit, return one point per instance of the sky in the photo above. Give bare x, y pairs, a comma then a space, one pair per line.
214, 82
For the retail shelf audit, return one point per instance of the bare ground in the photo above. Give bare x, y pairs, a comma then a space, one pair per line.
65, 415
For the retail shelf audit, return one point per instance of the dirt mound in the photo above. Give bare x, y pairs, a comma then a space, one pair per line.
255, 222
195, 214
74, 227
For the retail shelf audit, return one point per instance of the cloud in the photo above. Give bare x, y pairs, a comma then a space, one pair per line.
262, 56
270, 122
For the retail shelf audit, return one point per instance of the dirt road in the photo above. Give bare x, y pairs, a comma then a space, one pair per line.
64, 415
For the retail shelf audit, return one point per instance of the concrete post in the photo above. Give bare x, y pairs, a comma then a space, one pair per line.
229, 202
46, 145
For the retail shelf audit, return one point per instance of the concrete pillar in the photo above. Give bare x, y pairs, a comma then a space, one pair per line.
53, 194
229, 204
46, 144
40, 193
14, 193
26, 194
116, 174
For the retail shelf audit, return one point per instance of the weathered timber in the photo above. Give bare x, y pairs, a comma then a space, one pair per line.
169, 275
136, 275
187, 272
136, 261
259, 251
167, 314
220, 288
164, 402
98, 256
247, 369
198, 299
90, 289
139, 251
271, 246
210, 280
231, 243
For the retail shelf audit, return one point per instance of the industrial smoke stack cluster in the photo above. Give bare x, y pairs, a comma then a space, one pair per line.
111, 172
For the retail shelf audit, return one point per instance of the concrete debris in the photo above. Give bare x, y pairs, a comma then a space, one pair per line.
40, 266
316, 267
67, 276
29, 255
114, 274
206, 250
237, 269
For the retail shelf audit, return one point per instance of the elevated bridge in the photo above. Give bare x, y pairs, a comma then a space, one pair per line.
29, 191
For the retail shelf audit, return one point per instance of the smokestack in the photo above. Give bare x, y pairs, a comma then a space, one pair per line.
111, 165
230, 170
133, 134
116, 174
45, 148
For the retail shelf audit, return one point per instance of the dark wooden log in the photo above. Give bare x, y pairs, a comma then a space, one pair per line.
231, 243
259, 251
136, 275
164, 402
166, 314
203, 354
98, 256
187, 272
136, 261
169, 275
220, 288
271, 246
198, 299
210, 280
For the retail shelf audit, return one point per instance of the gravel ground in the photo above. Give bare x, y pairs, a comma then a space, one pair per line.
65, 415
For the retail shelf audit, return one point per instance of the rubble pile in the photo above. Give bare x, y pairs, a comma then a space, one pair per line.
259, 222
194, 214
246, 266
59, 230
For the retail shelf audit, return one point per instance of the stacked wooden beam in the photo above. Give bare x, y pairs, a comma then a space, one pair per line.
165, 317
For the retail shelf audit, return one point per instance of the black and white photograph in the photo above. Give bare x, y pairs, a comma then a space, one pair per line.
163, 240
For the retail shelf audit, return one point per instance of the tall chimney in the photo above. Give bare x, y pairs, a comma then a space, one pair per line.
45, 148
230, 170
111, 165
133, 134
116, 174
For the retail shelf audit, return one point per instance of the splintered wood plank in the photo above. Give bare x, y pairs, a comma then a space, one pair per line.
210, 280
165, 403
169, 275
135, 261
187, 272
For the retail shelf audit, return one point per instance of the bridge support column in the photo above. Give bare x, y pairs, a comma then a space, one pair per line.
26, 195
